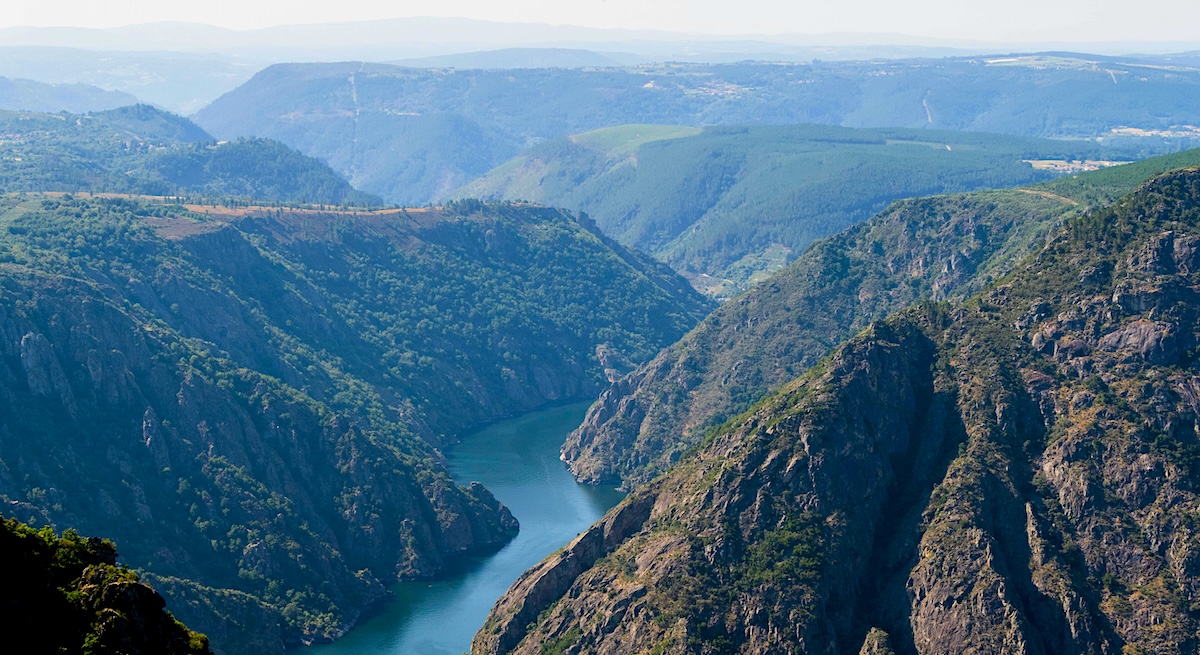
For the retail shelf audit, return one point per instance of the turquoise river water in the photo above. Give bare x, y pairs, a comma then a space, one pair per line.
518, 461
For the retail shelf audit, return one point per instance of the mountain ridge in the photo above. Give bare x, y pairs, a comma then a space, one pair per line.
1009, 473
21, 94
142, 150
941, 247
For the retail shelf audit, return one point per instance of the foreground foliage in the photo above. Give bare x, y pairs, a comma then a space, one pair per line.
66, 594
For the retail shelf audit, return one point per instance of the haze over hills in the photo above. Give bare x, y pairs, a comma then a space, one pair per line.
181, 82
525, 58
182, 66
1015, 472
394, 38
413, 135
30, 95
142, 150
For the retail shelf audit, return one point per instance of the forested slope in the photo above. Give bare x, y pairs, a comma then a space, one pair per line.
726, 206
252, 400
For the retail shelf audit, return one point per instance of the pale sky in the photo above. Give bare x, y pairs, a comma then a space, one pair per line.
998, 20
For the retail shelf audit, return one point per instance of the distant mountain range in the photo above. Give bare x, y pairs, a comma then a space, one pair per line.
184, 66
414, 135
387, 39
181, 82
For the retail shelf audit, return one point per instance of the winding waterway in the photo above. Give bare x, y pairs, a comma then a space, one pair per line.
518, 461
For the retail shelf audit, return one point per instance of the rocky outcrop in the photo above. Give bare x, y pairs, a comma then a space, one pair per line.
944, 247
876, 643
1009, 474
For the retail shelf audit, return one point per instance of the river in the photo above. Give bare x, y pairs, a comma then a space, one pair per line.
518, 461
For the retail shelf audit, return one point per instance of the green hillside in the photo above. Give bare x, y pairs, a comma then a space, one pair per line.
142, 150
414, 135
726, 206
1015, 472
66, 594
941, 247
252, 401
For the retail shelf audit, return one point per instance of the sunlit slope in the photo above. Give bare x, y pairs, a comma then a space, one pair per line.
726, 206
1011, 473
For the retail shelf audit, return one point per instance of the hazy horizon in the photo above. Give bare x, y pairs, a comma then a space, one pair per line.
1018, 21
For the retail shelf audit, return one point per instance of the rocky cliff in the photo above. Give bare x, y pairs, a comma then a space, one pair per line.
252, 401
940, 247
1015, 473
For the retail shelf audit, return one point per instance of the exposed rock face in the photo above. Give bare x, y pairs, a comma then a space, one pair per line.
998, 476
543, 585
224, 478
252, 402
